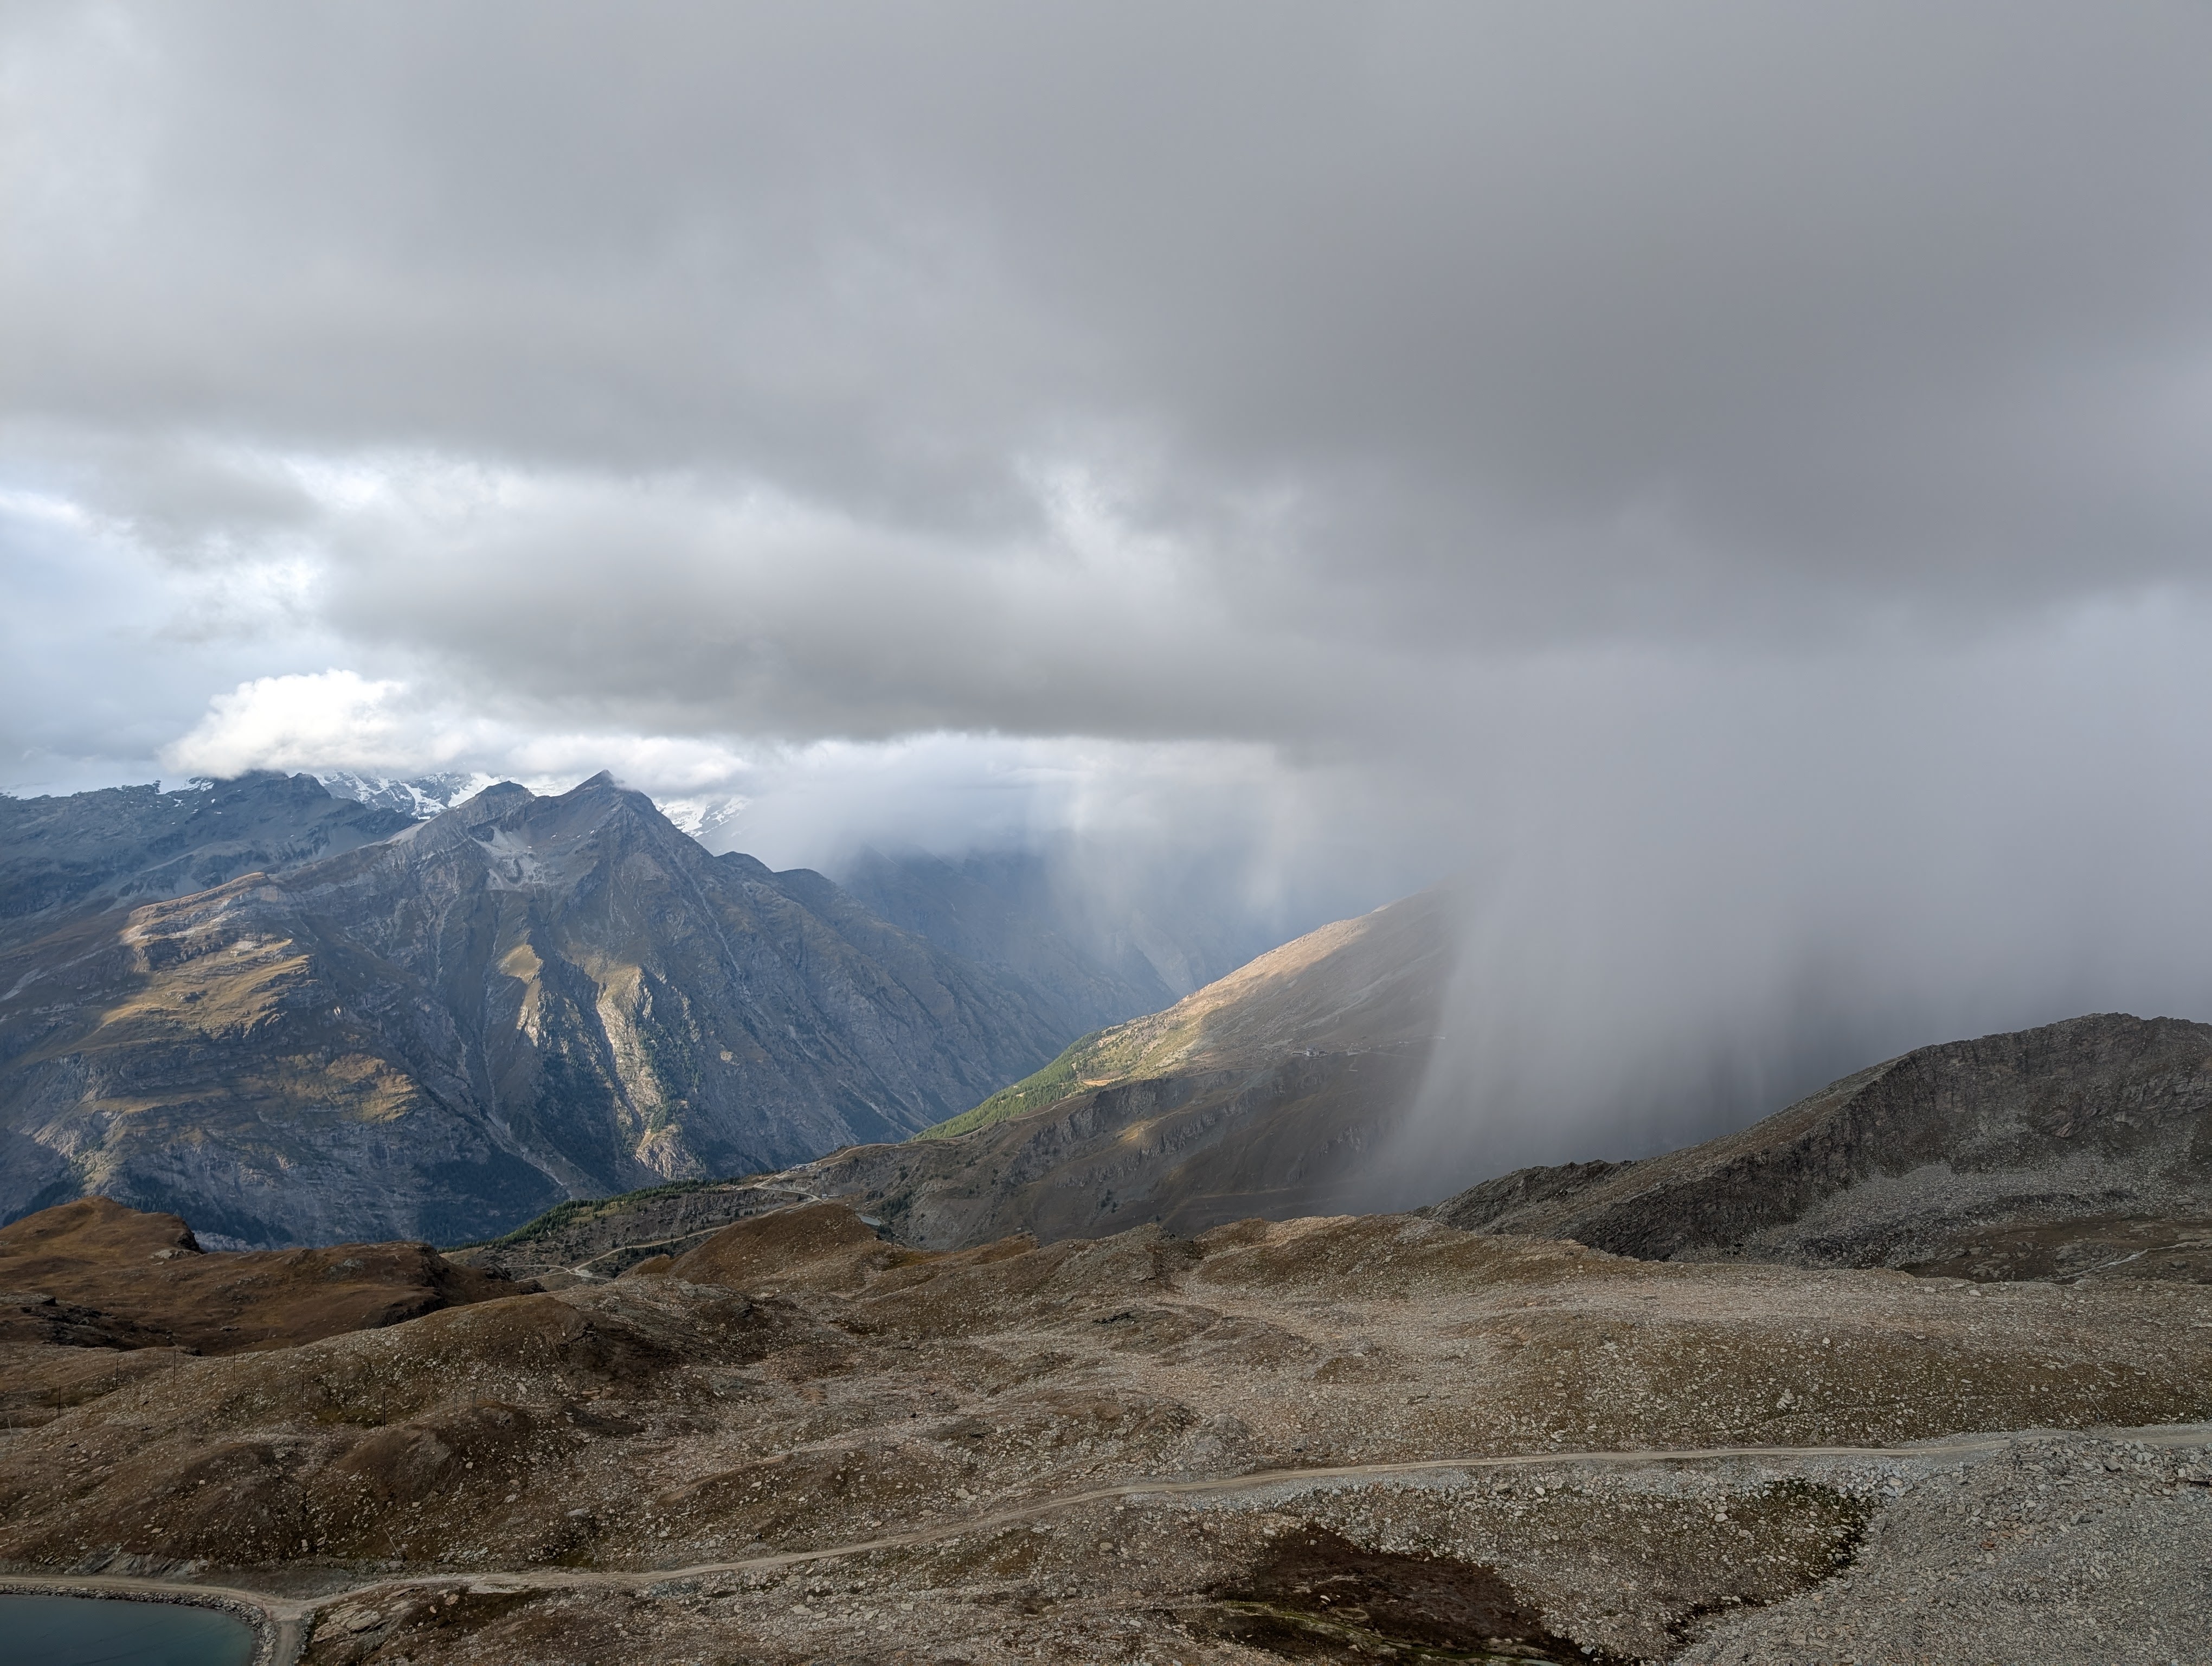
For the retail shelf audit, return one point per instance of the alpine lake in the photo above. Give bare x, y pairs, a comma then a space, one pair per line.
102, 1630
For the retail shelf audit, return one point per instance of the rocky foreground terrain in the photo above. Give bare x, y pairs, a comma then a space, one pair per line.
604, 1237
92, 1273
1354, 1439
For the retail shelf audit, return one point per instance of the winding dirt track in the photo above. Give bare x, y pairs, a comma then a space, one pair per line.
284, 1621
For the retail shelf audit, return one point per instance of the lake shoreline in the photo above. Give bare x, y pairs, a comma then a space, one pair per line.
271, 1631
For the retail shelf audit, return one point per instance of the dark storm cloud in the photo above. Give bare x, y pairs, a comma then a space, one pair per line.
1387, 328
1731, 480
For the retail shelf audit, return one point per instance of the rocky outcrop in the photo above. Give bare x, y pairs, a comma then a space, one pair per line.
603, 1237
444, 1033
2099, 1120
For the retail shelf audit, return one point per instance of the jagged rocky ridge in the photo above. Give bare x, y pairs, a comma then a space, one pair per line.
386, 1029
124, 845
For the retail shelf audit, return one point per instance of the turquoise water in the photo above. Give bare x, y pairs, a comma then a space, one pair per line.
94, 1630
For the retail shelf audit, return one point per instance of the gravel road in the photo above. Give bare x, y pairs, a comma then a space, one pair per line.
2046, 1547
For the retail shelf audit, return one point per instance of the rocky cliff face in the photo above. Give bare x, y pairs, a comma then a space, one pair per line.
2048, 1151
441, 1033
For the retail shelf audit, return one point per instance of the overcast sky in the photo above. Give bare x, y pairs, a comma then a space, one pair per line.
1734, 481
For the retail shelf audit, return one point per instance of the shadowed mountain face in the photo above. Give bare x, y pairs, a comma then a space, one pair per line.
1116, 936
1001, 910
439, 1035
1261, 1094
2069, 1151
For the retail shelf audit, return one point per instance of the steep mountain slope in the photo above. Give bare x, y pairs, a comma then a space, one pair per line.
1001, 911
129, 844
1257, 1095
440, 1035
2047, 1152
1154, 929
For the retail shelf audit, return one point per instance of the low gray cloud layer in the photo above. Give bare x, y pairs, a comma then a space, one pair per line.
1731, 478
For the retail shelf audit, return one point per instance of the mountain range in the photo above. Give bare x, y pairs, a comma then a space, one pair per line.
1098, 1362
299, 1018
2073, 1150
2080, 1149
92, 852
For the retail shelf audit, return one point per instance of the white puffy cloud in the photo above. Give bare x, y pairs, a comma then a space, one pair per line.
332, 719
